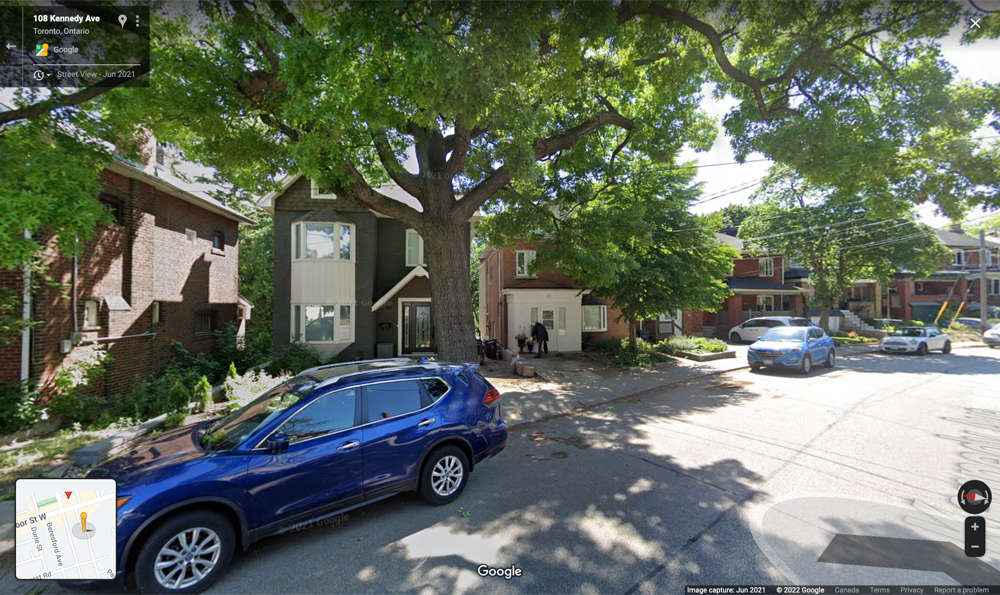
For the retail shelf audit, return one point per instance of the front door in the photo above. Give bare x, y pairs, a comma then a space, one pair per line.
418, 328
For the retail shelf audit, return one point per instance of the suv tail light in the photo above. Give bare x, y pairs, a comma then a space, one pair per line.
492, 396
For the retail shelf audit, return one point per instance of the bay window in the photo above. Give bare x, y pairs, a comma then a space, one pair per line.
323, 241
322, 323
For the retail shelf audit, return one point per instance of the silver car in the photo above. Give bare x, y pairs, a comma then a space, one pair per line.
754, 329
916, 339
992, 336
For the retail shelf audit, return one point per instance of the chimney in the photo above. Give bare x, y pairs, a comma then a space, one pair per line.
956, 227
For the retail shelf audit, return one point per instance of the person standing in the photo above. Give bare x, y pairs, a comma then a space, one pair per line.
541, 337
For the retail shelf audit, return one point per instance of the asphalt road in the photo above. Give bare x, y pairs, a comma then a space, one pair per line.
744, 478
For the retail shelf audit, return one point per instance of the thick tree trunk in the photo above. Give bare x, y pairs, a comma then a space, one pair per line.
824, 318
632, 334
446, 250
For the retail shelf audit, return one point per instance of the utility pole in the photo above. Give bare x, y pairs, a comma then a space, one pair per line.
983, 283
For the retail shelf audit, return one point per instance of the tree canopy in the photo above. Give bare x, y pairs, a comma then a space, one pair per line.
854, 96
839, 239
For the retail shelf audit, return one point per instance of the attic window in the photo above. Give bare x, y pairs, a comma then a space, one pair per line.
321, 191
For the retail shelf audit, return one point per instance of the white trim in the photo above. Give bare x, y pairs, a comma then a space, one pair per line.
300, 232
399, 322
418, 271
760, 263
314, 192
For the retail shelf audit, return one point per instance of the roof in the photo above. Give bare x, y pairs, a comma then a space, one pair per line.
128, 170
798, 273
733, 241
956, 240
757, 285
417, 271
391, 191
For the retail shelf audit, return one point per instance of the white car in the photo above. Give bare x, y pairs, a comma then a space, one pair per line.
754, 329
992, 336
916, 339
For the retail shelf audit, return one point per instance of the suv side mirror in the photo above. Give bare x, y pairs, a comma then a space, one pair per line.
277, 443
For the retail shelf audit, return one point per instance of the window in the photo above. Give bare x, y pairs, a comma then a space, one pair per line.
548, 319
414, 249
323, 324
959, 258
158, 313
323, 241
524, 260
815, 333
562, 321
436, 388
321, 191
327, 414
389, 399
786, 303
765, 303
218, 241
90, 314
114, 208
993, 286
204, 322
191, 236
765, 267
595, 319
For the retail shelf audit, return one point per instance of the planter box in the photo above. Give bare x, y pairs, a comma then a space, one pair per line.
706, 357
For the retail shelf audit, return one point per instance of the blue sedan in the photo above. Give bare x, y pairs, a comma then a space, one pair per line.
329, 440
793, 347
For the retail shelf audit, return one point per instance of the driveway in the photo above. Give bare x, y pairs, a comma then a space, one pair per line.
845, 476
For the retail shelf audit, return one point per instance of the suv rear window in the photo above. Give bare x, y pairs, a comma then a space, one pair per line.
799, 322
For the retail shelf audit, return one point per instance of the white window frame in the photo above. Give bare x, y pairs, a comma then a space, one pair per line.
315, 193
301, 309
191, 236
421, 261
299, 233
522, 271
959, 258
765, 265
993, 286
604, 320
157, 312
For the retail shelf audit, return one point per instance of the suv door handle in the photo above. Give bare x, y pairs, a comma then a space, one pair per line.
425, 423
349, 446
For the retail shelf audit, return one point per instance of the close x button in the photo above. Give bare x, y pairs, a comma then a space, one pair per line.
975, 536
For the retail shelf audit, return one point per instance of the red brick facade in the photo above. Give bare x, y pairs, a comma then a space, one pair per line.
146, 258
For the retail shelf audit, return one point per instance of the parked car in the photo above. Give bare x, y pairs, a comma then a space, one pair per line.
992, 336
974, 323
753, 329
327, 441
916, 339
793, 347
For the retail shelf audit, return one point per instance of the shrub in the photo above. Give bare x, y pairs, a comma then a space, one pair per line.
175, 419
232, 373
710, 345
17, 407
622, 355
295, 358
252, 384
179, 397
203, 394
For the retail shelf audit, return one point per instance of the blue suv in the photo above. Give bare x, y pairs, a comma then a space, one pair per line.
329, 440
793, 347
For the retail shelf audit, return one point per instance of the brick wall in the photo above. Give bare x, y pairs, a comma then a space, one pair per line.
10, 346
143, 259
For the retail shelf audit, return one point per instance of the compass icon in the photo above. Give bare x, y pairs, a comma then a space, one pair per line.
974, 497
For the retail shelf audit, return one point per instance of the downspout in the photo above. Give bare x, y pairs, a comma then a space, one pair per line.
26, 316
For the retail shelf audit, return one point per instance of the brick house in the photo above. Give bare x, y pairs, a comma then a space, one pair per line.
512, 298
165, 271
759, 289
912, 298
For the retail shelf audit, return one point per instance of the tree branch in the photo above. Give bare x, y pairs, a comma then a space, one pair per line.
72, 99
404, 179
544, 147
470, 202
359, 191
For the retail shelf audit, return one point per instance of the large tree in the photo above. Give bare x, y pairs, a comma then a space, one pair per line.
850, 94
626, 233
840, 238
